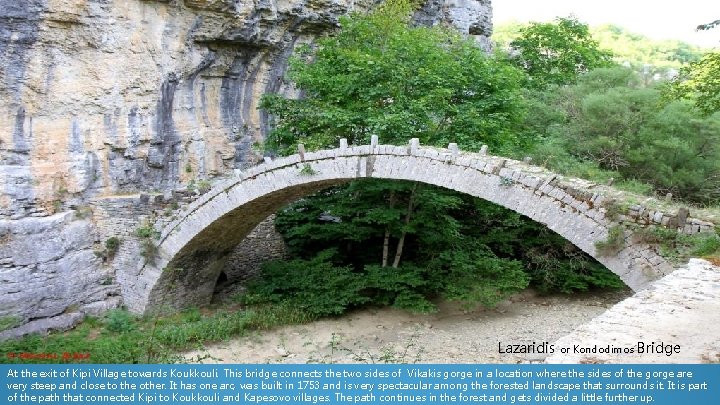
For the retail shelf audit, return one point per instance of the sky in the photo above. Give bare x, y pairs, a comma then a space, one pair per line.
658, 19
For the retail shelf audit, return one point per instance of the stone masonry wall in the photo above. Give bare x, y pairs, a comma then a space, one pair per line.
262, 244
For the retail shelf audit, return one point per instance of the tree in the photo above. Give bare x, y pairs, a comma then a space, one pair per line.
609, 121
379, 76
700, 82
557, 53
708, 26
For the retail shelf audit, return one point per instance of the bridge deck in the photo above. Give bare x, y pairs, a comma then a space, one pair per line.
682, 308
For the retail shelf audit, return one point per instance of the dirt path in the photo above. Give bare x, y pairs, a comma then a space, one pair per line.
451, 335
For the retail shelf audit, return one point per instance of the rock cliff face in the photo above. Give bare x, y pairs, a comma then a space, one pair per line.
102, 96
107, 97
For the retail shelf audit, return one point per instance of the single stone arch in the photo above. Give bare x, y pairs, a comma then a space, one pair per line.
193, 249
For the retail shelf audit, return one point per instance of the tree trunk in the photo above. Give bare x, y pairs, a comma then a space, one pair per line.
386, 240
401, 242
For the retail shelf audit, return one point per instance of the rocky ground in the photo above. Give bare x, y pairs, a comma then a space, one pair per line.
452, 335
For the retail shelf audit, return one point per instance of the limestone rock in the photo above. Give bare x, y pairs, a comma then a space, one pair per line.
100, 97
60, 322
48, 266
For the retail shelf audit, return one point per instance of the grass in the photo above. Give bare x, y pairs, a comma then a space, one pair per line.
120, 337
680, 247
307, 170
9, 322
614, 242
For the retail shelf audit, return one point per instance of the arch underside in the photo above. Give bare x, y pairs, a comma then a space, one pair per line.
194, 251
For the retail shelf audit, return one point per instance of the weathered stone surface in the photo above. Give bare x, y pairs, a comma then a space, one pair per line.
194, 248
470, 17
101, 97
60, 322
49, 266
262, 244
682, 308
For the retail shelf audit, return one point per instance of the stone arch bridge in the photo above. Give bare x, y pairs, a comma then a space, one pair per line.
193, 249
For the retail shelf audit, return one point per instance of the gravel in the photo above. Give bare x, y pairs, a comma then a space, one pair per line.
452, 335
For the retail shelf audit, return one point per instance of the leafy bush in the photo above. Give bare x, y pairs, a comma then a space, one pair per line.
147, 231
119, 320
315, 286
609, 125
112, 244
381, 75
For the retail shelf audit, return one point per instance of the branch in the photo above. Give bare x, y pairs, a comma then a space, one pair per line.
708, 26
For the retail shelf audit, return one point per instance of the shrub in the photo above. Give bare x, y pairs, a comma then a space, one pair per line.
203, 186
112, 244
149, 250
147, 231
119, 321
315, 286
614, 242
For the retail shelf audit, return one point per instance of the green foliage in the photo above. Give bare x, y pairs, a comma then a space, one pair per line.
112, 244
9, 322
83, 212
679, 247
203, 186
474, 275
122, 338
557, 53
455, 246
197, 328
119, 321
321, 288
704, 245
401, 243
655, 235
552, 263
609, 126
700, 82
147, 231
380, 76
639, 49
614, 242
316, 286
651, 59
307, 170
149, 250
